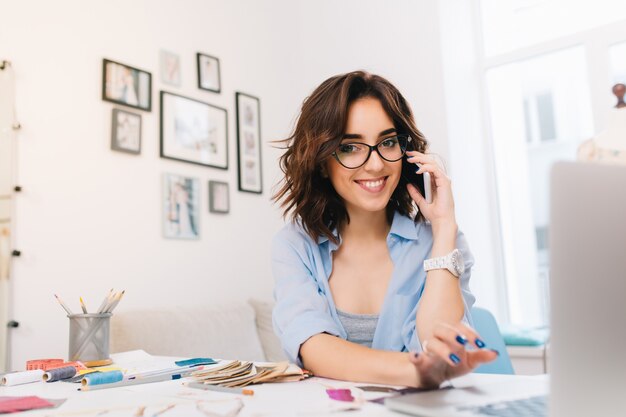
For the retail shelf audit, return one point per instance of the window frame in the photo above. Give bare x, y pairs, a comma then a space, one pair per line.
466, 76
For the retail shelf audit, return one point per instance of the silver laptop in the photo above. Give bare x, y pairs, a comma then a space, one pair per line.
587, 358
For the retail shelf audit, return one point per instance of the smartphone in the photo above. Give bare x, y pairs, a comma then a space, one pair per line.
421, 181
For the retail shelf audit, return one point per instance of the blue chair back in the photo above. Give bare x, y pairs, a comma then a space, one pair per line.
485, 324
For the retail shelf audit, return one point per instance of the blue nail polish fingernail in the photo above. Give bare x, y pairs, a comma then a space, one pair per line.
480, 343
496, 352
455, 358
461, 339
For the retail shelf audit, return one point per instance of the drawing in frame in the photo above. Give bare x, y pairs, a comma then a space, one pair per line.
209, 77
181, 207
126, 85
193, 131
126, 131
218, 197
170, 68
249, 143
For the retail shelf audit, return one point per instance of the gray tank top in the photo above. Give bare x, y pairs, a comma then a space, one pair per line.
360, 327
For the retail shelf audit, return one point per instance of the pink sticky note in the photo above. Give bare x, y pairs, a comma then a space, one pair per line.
16, 404
340, 394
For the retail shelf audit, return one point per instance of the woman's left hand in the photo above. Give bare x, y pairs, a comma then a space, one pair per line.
454, 350
441, 210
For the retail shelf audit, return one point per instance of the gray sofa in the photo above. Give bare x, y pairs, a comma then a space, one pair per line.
234, 331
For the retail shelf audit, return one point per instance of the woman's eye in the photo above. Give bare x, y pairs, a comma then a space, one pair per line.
389, 143
348, 148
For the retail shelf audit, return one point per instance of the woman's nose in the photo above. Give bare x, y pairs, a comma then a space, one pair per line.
375, 162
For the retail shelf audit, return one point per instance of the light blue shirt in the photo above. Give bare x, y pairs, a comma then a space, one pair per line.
304, 304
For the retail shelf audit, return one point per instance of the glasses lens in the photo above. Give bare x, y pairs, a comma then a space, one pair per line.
392, 149
352, 155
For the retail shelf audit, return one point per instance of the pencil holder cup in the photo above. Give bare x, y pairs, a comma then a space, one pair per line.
89, 338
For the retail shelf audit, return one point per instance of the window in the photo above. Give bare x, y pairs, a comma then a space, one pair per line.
537, 117
547, 84
509, 25
618, 63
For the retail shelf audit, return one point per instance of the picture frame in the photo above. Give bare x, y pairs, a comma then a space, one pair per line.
125, 131
219, 200
169, 63
181, 207
250, 178
193, 131
126, 85
209, 75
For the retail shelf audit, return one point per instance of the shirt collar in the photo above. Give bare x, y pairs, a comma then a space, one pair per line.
401, 226
332, 246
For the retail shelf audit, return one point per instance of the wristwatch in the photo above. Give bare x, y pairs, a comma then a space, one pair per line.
453, 262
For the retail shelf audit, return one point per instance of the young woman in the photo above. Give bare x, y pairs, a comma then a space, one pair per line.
354, 298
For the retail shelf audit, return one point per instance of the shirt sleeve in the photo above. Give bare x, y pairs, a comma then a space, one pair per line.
409, 331
301, 309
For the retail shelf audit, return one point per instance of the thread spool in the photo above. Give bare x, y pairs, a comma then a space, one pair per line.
42, 364
78, 365
24, 377
99, 378
59, 373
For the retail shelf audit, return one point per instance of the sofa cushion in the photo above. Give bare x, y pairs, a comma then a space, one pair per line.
223, 332
269, 340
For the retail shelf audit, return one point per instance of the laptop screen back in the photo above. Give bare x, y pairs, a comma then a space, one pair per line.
587, 359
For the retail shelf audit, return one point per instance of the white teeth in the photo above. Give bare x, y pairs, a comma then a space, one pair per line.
372, 184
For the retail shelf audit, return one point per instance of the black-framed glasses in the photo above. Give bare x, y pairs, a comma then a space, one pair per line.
353, 155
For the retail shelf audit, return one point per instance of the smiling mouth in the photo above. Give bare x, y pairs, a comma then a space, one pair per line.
373, 185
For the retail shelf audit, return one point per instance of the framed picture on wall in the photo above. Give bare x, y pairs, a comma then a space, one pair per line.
218, 197
193, 131
181, 207
123, 84
249, 143
126, 131
209, 73
170, 68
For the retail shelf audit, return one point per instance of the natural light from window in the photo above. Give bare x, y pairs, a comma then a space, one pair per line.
512, 24
540, 112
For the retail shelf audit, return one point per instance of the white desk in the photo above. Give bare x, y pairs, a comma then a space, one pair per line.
305, 398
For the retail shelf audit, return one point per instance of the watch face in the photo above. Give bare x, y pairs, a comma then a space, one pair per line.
457, 261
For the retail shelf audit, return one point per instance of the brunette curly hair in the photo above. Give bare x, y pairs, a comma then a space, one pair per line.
304, 191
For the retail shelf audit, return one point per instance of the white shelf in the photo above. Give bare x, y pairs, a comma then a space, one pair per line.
528, 360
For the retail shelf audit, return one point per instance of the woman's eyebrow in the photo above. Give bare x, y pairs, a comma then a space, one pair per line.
359, 136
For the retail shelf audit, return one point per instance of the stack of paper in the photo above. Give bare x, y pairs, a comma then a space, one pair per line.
241, 374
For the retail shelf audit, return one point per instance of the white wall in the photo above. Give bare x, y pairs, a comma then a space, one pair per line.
398, 40
90, 218
471, 157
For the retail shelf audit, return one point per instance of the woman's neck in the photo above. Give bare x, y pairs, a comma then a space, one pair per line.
366, 225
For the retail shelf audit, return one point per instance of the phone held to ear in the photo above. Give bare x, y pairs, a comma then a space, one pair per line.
421, 181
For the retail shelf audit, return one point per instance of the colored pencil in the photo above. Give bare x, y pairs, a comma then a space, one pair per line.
105, 302
82, 305
65, 307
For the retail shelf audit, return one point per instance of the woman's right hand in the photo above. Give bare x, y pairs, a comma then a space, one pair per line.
454, 350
